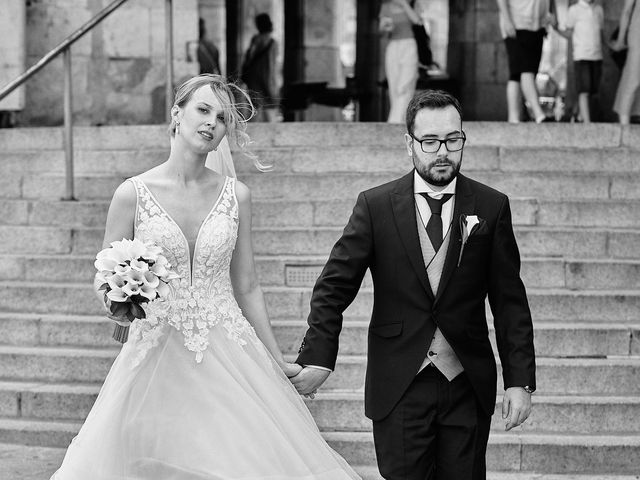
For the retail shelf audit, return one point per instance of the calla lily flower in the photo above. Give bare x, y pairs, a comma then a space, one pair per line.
135, 276
131, 289
122, 269
163, 290
139, 265
150, 280
148, 292
159, 269
117, 295
116, 281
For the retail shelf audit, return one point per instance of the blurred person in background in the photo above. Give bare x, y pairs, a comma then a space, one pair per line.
259, 70
208, 54
627, 102
396, 20
523, 26
584, 28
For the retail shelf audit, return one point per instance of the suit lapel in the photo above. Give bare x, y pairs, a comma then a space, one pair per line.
465, 203
404, 213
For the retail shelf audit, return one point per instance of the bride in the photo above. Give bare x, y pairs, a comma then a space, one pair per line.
200, 389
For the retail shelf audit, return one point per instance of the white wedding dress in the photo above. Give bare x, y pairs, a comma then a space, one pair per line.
194, 394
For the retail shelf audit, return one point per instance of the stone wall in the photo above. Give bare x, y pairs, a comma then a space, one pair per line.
118, 67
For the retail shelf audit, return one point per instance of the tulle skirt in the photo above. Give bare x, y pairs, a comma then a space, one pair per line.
235, 415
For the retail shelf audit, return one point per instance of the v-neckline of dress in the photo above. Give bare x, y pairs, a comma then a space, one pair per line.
204, 220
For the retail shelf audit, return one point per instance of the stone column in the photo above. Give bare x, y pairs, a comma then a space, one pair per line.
322, 53
12, 50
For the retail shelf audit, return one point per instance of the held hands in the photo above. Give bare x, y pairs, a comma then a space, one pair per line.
309, 380
290, 369
516, 407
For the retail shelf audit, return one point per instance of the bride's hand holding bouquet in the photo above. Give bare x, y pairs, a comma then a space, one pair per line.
131, 273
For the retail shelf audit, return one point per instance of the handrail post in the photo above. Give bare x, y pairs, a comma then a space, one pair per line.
168, 20
68, 126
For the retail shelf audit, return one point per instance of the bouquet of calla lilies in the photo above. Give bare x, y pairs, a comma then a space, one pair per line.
131, 273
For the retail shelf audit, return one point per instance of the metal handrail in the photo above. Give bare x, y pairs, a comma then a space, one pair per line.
65, 48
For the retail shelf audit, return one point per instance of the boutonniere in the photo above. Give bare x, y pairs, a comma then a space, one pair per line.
468, 226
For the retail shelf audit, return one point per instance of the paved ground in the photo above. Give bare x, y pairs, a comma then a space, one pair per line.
18, 462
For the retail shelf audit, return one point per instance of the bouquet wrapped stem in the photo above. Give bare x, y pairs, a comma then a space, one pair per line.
131, 273
121, 333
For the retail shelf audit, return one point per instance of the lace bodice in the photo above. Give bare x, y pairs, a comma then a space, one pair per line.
203, 296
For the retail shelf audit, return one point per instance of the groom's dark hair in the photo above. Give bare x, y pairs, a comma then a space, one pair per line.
429, 99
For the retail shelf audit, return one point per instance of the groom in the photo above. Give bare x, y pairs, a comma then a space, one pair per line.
437, 244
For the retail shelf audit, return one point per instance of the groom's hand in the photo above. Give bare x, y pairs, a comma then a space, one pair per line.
516, 406
309, 380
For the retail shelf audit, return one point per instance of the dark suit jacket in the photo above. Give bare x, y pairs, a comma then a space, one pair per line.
382, 235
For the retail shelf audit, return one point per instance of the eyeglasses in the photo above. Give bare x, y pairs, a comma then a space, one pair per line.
432, 145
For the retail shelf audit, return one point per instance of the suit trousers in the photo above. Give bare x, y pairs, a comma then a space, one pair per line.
437, 431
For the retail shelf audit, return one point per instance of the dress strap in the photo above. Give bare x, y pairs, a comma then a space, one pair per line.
233, 199
137, 184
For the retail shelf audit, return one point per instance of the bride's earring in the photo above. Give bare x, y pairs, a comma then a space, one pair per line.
177, 127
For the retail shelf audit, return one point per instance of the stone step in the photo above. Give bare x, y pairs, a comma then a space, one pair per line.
559, 185
537, 272
559, 414
549, 476
551, 339
507, 452
548, 453
617, 376
533, 241
609, 213
293, 303
556, 137
132, 159
345, 186
38, 463
291, 159
343, 410
299, 271
332, 159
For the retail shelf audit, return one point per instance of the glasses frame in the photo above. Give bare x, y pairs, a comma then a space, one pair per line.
463, 137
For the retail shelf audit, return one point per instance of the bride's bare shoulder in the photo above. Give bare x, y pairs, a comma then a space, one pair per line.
152, 176
243, 194
125, 195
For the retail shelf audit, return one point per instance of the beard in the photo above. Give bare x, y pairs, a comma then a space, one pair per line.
436, 178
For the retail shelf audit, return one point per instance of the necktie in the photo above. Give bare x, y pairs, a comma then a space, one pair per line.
434, 226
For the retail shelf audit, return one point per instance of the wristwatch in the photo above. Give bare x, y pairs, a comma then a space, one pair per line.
528, 389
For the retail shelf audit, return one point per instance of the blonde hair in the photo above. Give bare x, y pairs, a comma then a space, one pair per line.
237, 105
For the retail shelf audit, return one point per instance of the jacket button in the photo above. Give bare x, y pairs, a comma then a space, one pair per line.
431, 354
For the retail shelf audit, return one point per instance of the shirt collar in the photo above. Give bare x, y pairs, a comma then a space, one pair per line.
420, 186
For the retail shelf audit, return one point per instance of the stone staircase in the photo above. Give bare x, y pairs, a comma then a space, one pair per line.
576, 208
